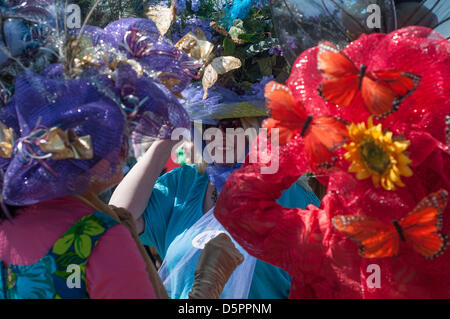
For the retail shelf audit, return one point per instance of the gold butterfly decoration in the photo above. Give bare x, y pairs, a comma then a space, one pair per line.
162, 16
218, 66
199, 48
6, 141
66, 144
196, 46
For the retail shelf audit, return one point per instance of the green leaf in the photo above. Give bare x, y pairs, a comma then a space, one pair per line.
67, 259
93, 228
83, 270
63, 244
247, 37
83, 246
228, 46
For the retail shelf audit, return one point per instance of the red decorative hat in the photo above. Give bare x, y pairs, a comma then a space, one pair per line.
413, 139
421, 116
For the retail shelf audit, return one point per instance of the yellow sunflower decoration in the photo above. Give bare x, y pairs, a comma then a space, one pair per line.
377, 154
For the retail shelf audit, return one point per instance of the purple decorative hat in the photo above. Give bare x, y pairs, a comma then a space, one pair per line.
148, 101
119, 28
152, 110
141, 65
69, 132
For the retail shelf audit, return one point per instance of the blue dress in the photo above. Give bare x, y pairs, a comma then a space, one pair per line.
177, 203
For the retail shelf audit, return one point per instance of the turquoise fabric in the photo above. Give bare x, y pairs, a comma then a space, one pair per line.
47, 278
177, 203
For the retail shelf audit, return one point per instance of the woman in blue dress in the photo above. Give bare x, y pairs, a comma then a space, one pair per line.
174, 212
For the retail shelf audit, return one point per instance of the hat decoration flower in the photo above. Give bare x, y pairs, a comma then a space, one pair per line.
141, 70
376, 154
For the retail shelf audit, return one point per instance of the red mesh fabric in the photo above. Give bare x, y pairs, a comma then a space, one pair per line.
323, 262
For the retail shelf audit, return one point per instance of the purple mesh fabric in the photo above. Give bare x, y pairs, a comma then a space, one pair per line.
9, 118
97, 35
152, 110
117, 29
34, 11
140, 40
74, 104
157, 111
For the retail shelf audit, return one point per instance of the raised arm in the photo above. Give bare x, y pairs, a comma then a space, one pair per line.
134, 191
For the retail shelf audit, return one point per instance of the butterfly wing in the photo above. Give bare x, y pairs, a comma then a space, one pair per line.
340, 76
376, 239
422, 226
324, 136
383, 91
334, 64
285, 133
286, 114
218, 66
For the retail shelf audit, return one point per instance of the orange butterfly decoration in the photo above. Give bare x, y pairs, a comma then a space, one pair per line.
381, 91
322, 135
420, 229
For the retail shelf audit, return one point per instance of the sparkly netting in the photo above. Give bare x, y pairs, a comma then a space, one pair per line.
152, 110
325, 263
75, 104
9, 119
221, 103
139, 39
157, 116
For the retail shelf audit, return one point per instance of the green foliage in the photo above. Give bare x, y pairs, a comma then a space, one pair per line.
206, 9
256, 36
229, 47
